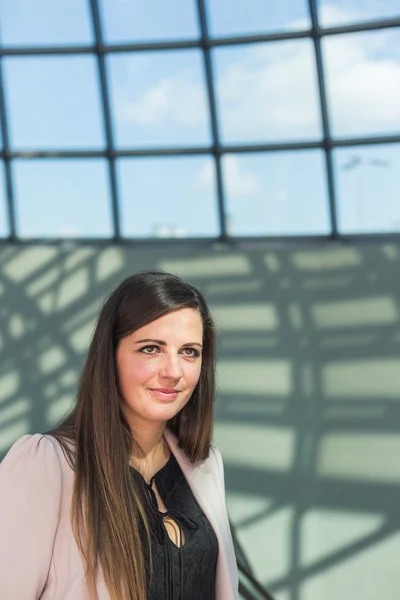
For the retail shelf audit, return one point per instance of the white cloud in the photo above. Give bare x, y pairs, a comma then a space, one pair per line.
206, 176
333, 14
344, 12
238, 182
330, 15
364, 83
177, 98
270, 91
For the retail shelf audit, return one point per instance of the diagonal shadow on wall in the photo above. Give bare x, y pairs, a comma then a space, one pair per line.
308, 406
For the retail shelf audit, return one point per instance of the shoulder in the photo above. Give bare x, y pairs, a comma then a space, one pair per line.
32, 451
33, 460
215, 455
212, 464
215, 463
31, 479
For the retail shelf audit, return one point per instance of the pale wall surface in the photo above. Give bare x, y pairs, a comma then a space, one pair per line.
308, 410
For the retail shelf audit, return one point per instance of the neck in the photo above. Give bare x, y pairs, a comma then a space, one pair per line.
150, 451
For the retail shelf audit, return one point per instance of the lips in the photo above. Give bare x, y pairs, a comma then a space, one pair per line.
166, 394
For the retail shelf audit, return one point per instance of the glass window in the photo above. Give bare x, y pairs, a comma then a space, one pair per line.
346, 12
45, 22
151, 20
367, 188
171, 197
363, 82
276, 193
53, 102
62, 198
246, 17
159, 98
267, 92
3, 213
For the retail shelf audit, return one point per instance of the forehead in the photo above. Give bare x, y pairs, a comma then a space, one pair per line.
180, 324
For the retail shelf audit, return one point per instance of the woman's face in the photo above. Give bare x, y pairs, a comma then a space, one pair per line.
159, 366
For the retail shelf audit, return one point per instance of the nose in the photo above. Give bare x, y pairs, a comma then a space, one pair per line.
171, 367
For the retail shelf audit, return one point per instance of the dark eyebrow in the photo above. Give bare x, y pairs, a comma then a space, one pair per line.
156, 341
161, 343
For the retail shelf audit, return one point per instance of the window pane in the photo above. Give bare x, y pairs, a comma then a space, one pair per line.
45, 22
367, 186
151, 20
267, 92
168, 197
363, 82
62, 198
158, 98
278, 193
344, 12
246, 17
53, 102
3, 213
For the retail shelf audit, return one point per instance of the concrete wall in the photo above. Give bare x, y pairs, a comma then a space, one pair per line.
308, 403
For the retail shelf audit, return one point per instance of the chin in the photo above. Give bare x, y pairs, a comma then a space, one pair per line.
165, 413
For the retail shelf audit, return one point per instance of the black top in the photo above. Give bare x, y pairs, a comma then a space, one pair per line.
186, 572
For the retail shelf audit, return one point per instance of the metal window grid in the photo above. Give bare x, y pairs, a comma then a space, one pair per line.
100, 49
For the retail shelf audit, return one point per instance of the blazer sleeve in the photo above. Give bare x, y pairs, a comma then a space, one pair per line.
229, 545
30, 500
220, 466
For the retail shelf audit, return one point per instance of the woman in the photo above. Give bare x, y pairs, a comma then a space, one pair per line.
125, 499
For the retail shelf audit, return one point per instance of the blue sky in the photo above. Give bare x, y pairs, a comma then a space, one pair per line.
264, 93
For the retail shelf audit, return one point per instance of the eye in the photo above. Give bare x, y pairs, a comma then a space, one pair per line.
191, 352
149, 349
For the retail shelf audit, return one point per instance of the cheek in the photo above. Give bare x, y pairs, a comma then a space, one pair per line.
193, 376
132, 373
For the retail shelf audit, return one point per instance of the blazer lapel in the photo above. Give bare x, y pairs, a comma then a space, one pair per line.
203, 479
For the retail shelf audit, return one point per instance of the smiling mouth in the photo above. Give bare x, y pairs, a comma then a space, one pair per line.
164, 393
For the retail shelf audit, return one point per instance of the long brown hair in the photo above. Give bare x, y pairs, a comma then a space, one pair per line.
108, 512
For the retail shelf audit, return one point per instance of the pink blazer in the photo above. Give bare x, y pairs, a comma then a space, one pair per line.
39, 557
